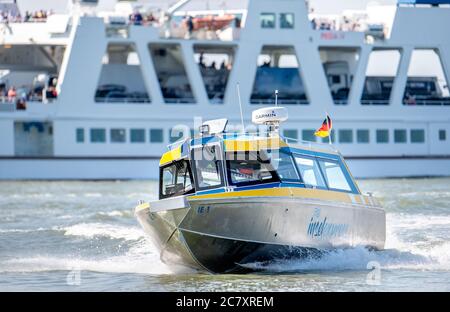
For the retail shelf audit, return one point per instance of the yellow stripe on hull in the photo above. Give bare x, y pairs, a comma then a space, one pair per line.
285, 192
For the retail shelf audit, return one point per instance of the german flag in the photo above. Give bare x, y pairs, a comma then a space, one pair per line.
325, 130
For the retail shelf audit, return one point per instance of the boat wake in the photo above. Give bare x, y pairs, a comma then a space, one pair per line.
414, 242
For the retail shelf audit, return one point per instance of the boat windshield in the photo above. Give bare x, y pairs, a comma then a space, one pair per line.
246, 168
283, 164
208, 167
175, 180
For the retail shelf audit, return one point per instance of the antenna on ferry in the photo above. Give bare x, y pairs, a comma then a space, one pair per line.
276, 97
240, 105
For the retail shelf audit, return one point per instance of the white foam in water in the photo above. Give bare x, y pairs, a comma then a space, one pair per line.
429, 251
142, 257
90, 230
399, 254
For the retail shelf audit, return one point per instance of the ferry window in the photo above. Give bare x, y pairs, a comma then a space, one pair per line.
345, 136
335, 79
249, 168
400, 136
308, 135
121, 79
80, 135
417, 135
208, 167
442, 135
362, 136
283, 164
332, 138
118, 135
267, 20
98, 135
137, 135
176, 180
382, 136
290, 133
286, 20
176, 134
334, 175
156, 135
309, 171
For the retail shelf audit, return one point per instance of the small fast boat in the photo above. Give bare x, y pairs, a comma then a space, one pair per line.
230, 199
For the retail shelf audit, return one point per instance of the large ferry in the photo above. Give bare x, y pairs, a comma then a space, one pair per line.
96, 91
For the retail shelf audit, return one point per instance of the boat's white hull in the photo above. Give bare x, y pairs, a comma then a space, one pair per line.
146, 168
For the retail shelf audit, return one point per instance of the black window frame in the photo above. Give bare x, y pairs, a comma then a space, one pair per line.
161, 170
194, 170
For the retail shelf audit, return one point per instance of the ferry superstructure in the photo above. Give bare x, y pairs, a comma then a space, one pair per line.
102, 95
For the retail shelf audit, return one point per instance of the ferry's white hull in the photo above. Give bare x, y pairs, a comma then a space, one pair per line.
147, 168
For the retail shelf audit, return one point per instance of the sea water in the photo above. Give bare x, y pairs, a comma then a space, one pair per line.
83, 236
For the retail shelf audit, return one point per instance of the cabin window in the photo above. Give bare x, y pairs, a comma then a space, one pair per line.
283, 164
417, 136
156, 135
362, 136
249, 168
400, 136
118, 135
176, 180
208, 167
287, 20
267, 20
98, 135
382, 136
80, 135
334, 175
309, 171
137, 135
442, 135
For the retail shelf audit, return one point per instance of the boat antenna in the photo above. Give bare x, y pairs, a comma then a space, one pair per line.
276, 97
240, 106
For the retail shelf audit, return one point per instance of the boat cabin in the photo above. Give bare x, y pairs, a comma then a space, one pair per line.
225, 162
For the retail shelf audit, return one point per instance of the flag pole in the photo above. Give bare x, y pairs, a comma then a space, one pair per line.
328, 125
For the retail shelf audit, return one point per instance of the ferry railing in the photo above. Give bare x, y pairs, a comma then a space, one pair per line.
443, 102
261, 135
311, 144
374, 102
340, 102
129, 100
179, 100
280, 101
7, 107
